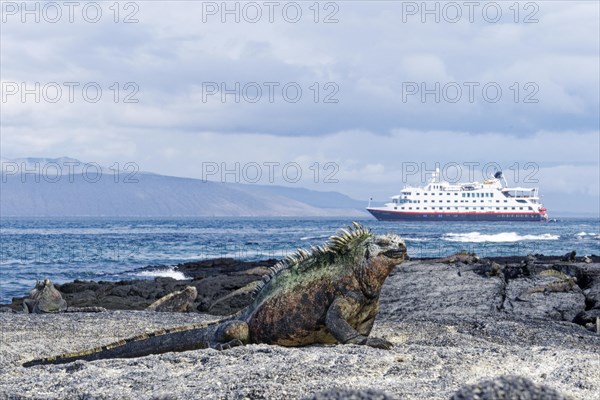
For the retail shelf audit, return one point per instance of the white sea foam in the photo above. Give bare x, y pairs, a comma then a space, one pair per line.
166, 273
502, 237
410, 239
586, 235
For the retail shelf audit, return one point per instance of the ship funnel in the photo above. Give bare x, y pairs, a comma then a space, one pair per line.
498, 175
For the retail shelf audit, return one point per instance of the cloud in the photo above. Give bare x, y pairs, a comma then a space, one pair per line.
378, 89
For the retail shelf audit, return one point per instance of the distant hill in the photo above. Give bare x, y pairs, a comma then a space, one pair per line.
154, 195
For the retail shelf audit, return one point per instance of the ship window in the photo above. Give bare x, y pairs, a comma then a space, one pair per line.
417, 208
481, 208
531, 208
497, 201
447, 208
520, 208
492, 194
482, 201
456, 194
424, 201
497, 208
506, 208
456, 201
418, 193
466, 208
424, 208
512, 208
506, 201
402, 208
447, 194
410, 208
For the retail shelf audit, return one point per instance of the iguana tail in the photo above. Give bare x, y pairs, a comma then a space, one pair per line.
219, 334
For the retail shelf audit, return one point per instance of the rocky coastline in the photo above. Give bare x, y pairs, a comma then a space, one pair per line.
454, 321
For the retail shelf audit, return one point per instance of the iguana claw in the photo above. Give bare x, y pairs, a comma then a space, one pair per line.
229, 345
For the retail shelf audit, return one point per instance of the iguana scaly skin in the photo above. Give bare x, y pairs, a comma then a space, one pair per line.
327, 295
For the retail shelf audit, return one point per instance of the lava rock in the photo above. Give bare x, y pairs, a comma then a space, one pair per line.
179, 301
507, 388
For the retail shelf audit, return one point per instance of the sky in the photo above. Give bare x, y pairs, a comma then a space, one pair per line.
357, 97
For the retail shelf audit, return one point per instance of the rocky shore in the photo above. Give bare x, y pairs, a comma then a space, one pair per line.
454, 322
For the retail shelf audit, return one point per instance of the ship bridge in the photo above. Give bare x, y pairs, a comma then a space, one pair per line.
520, 192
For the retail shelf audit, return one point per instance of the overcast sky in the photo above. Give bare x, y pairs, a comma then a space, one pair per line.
384, 88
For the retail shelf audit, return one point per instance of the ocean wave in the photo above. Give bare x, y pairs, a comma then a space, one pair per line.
163, 272
502, 237
410, 239
586, 235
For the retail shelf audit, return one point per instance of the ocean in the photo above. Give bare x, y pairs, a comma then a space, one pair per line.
118, 248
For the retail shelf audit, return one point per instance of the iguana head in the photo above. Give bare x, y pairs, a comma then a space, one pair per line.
45, 298
382, 254
390, 246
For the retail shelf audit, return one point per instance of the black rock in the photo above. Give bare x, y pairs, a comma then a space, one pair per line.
505, 388
569, 257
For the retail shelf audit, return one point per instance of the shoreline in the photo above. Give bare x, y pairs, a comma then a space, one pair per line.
217, 278
452, 323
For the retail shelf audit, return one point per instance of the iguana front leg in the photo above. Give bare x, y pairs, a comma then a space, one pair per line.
341, 313
231, 334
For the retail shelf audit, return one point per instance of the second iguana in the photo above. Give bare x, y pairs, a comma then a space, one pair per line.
327, 295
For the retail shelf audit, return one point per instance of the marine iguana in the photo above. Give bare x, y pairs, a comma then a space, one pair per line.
45, 298
327, 295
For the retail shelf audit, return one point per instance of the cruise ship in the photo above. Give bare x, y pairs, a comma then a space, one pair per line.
490, 200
